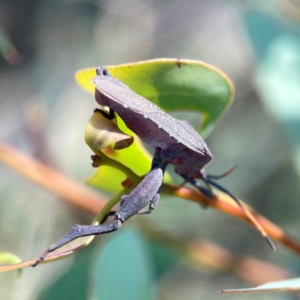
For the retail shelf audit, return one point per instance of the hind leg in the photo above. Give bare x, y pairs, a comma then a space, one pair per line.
147, 192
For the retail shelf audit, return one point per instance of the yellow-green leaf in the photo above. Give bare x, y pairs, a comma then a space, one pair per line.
173, 85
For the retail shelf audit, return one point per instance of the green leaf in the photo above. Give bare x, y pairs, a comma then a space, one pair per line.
8, 258
173, 85
278, 286
180, 85
127, 276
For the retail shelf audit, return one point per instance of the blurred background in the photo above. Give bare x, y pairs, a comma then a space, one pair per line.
44, 113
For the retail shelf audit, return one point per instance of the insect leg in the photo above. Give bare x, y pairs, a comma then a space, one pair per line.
204, 190
79, 231
157, 163
109, 116
207, 191
109, 214
216, 177
131, 204
152, 205
250, 216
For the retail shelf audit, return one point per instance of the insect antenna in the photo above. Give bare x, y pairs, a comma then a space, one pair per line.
226, 173
250, 216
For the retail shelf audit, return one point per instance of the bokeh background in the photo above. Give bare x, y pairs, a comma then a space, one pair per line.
44, 113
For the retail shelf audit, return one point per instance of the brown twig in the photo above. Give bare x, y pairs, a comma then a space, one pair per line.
225, 204
89, 200
217, 258
52, 180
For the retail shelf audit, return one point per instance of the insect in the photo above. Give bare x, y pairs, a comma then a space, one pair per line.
175, 142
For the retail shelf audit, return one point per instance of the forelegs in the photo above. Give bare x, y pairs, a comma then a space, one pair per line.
147, 192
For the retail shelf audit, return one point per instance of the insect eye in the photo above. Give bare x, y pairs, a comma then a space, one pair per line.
105, 73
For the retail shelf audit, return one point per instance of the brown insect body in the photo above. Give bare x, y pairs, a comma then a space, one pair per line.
179, 142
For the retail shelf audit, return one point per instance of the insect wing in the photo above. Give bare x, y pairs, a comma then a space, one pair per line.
124, 96
180, 131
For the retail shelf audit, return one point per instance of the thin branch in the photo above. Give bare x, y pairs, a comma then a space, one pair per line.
91, 201
225, 204
52, 180
216, 258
